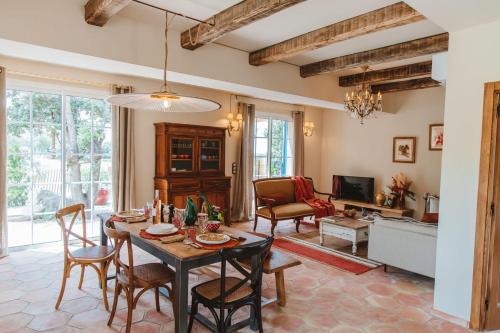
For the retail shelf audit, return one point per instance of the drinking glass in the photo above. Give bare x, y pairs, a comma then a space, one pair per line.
202, 222
178, 217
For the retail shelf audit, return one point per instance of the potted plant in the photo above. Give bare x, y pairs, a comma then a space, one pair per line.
400, 188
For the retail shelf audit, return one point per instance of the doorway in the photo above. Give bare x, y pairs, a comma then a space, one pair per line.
485, 307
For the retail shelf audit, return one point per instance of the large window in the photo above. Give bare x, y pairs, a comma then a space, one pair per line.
59, 153
273, 147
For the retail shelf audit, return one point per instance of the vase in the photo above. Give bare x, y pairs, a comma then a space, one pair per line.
380, 199
402, 200
190, 213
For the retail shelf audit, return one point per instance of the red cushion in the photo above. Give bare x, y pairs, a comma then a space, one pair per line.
430, 217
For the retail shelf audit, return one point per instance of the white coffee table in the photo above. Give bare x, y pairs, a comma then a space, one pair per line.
347, 229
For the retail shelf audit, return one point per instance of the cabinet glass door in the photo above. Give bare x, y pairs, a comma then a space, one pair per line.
181, 155
210, 155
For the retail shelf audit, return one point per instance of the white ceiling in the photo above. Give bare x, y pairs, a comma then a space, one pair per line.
313, 14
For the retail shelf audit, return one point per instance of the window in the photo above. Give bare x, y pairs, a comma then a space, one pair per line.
59, 153
273, 147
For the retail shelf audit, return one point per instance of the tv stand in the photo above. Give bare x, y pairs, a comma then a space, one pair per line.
341, 204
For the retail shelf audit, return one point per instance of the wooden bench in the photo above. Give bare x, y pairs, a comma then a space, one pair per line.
276, 263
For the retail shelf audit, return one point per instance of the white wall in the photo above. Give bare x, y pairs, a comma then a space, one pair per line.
473, 60
144, 130
350, 148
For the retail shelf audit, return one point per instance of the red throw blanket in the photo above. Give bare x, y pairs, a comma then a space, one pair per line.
304, 193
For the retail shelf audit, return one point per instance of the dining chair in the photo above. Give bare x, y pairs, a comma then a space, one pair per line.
130, 277
228, 293
89, 254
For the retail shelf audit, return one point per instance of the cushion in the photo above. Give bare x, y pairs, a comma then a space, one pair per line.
280, 198
290, 210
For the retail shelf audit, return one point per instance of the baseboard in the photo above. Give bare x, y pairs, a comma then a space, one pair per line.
455, 320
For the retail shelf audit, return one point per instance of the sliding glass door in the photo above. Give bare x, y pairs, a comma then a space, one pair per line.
59, 153
273, 147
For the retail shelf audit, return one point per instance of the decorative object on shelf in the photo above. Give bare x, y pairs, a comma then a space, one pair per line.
165, 99
349, 212
234, 124
308, 128
190, 213
361, 103
400, 188
380, 198
403, 149
390, 200
436, 137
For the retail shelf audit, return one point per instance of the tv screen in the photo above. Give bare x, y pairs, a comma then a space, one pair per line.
353, 188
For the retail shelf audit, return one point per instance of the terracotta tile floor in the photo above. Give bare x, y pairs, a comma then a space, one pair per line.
320, 299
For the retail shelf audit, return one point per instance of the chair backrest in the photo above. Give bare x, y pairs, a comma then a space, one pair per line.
68, 224
256, 253
120, 238
278, 187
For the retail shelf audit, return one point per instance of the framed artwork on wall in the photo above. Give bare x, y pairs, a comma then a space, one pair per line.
436, 136
403, 149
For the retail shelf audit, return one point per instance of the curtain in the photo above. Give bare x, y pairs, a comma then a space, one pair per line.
242, 192
3, 166
123, 154
298, 142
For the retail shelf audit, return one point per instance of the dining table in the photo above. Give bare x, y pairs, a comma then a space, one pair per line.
182, 258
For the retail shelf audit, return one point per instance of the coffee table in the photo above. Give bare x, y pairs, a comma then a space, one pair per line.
348, 229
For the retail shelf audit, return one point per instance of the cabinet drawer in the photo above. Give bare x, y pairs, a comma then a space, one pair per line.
215, 184
185, 185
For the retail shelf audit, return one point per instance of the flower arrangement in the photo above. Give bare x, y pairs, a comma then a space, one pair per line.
215, 213
400, 188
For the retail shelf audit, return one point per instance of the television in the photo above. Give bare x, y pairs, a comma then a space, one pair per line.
353, 188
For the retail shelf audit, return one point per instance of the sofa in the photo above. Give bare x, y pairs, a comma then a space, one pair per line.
275, 201
404, 243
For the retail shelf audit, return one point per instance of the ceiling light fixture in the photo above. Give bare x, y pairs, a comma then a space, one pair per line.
361, 103
165, 99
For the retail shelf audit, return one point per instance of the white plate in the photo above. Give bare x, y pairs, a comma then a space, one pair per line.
162, 227
224, 240
129, 214
161, 232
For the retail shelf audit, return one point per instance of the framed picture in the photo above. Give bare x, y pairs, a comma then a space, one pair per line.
436, 136
403, 149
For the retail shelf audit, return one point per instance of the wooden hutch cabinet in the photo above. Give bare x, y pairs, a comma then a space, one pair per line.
190, 159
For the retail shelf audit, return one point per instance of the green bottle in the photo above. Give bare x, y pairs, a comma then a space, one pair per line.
191, 213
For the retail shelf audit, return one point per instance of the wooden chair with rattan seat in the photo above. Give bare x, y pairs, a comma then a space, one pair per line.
90, 254
130, 277
228, 293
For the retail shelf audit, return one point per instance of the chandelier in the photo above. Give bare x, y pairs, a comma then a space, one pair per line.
165, 99
361, 103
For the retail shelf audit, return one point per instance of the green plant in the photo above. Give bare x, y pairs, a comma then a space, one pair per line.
17, 174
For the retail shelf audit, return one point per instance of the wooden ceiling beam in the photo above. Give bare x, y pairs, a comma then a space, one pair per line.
98, 12
230, 19
401, 51
405, 85
387, 74
380, 19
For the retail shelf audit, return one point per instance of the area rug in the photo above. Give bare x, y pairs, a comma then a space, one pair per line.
336, 252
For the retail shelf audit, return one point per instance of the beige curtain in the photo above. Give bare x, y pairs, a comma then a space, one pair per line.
298, 142
3, 166
242, 192
123, 154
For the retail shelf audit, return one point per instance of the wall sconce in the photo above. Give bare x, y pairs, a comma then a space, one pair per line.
308, 128
234, 125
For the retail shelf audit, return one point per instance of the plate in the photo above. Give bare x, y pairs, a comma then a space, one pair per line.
161, 232
212, 238
128, 214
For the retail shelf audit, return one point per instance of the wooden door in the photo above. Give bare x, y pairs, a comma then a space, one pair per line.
492, 297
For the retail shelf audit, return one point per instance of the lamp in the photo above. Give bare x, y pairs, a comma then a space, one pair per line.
361, 103
234, 124
165, 99
308, 128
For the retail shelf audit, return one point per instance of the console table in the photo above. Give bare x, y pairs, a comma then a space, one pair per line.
351, 230
387, 211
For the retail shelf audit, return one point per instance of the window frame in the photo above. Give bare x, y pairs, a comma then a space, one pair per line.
65, 93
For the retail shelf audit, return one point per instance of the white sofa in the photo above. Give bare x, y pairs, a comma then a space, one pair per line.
403, 244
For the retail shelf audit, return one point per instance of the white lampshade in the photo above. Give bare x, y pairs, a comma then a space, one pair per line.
175, 104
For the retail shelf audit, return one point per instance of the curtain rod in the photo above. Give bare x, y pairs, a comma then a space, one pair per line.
172, 12
60, 79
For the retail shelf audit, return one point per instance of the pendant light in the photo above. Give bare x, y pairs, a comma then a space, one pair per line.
164, 100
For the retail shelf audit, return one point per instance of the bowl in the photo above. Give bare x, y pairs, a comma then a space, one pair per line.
212, 226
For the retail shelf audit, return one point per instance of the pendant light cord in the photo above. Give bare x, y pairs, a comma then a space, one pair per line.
167, 24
